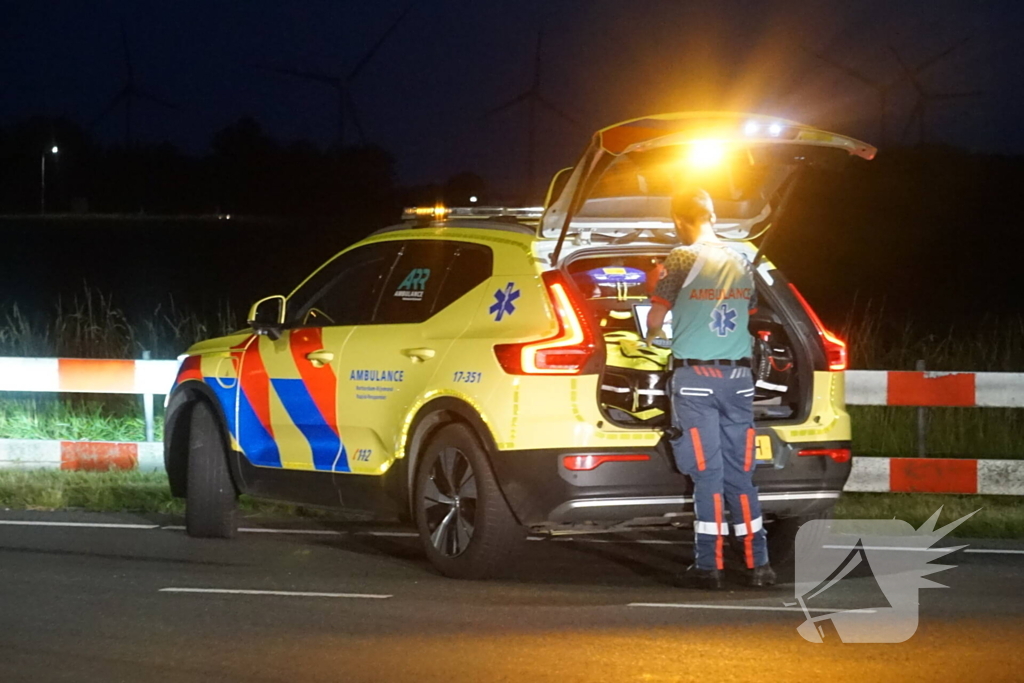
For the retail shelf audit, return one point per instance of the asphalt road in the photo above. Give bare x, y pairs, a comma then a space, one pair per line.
358, 602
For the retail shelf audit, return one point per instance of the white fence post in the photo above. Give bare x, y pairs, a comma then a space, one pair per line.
147, 406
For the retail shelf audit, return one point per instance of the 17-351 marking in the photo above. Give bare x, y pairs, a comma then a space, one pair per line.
467, 377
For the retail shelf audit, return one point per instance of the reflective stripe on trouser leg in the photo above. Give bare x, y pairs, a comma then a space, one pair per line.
698, 448
719, 562
748, 455
748, 535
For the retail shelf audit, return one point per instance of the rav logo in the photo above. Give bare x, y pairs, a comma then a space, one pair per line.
414, 284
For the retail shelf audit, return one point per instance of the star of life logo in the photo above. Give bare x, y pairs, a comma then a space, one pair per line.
874, 568
503, 302
723, 320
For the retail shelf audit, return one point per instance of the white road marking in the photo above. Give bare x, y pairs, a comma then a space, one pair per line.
747, 608
294, 594
86, 525
994, 551
311, 532
641, 541
892, 547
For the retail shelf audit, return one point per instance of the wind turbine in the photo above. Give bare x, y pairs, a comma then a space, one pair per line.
924, 97
533, 99
129, 92
342, 84
881, 88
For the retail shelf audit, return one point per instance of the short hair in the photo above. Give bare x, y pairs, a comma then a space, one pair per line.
693, 206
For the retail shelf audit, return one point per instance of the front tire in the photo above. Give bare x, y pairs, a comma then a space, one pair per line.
464, 522
211, 501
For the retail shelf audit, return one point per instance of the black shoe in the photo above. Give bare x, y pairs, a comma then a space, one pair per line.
704, 579
763, 576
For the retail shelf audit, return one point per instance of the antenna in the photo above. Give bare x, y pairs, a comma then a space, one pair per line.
533, 98
342, 83
925, 98
129, 93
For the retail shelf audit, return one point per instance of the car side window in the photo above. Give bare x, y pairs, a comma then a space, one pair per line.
471, 265
429, 276
346, 290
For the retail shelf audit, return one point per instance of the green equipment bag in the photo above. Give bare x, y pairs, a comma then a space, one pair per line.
633, 386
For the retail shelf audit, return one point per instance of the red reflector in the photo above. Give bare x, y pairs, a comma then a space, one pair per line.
583, 463
837, 454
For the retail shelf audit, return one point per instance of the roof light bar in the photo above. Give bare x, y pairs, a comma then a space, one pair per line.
440, 213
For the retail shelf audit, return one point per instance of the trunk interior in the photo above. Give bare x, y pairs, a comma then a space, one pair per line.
617, 286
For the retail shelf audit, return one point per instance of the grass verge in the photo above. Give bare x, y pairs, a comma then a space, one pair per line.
114, 491
79, 418
1000, 516
952, 432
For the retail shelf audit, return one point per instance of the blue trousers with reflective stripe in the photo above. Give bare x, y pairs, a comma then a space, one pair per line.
712, 407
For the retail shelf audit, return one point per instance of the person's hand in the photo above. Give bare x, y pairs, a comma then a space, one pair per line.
654, 335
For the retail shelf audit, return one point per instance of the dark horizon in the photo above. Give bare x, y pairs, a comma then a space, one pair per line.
425, 93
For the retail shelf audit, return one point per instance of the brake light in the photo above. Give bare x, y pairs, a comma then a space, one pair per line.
840, 455
835, 348
585, 463
566, 353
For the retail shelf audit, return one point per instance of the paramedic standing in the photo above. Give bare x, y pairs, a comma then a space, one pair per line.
709, 287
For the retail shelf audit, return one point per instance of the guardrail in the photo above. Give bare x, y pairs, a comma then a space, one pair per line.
863, 387
935, 389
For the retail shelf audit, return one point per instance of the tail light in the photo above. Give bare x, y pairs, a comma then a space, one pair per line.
835, 348
840, 455
567, 352
585, 463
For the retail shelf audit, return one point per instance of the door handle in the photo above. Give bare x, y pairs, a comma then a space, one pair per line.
419, 355
320, 358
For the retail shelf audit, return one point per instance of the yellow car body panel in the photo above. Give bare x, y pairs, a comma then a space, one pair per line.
383, 375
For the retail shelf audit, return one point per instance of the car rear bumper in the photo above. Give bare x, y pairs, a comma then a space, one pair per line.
543, 493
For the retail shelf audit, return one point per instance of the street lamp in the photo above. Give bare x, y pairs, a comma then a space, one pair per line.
42, 178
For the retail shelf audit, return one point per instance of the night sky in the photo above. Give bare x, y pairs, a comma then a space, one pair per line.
425, 94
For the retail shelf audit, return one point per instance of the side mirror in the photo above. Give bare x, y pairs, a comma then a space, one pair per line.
267, 316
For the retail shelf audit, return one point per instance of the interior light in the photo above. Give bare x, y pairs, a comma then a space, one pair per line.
706, 153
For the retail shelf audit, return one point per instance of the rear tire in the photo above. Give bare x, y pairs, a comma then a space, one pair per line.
464, 522
211, 501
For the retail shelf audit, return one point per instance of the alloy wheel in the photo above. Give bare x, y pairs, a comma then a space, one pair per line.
450, 499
